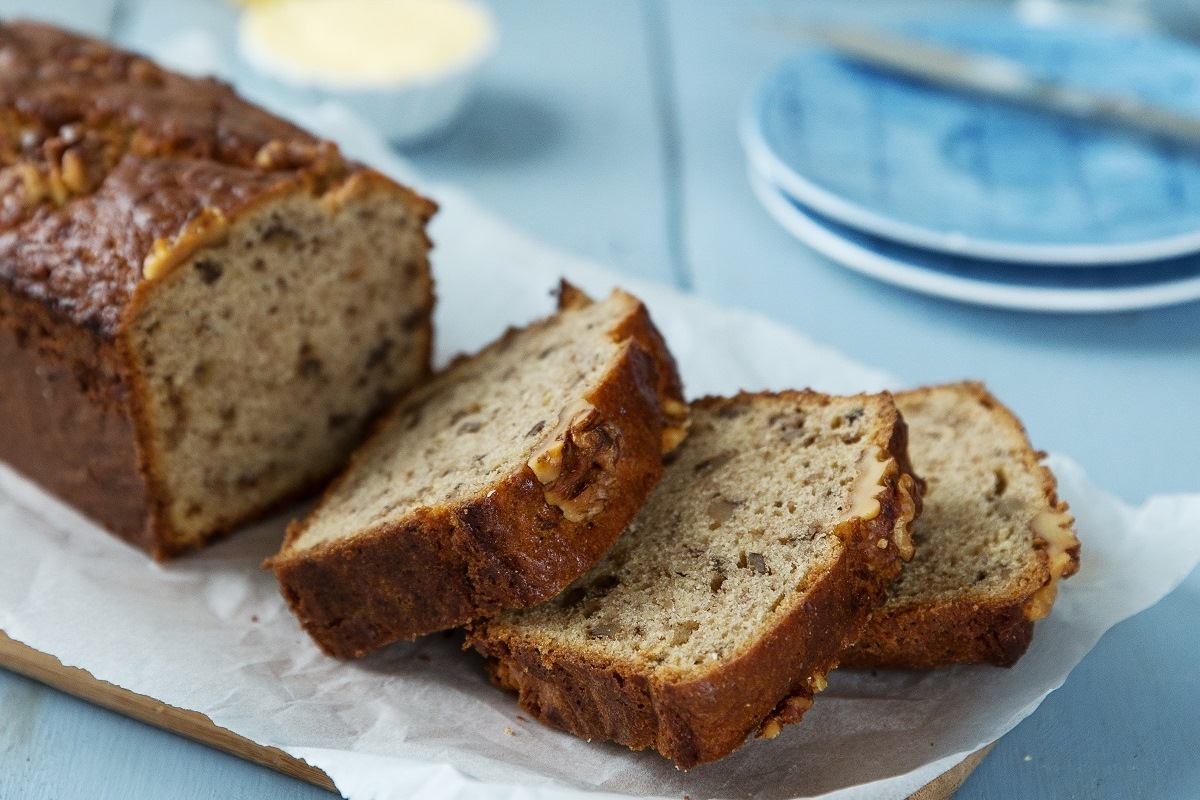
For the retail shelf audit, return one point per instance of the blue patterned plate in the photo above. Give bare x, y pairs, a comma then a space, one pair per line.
975, 177
996, 284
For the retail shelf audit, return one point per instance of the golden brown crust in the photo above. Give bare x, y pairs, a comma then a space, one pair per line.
111, 168
510, 547
66, 424
697, 719
68, 427
943, 634
639, 327
670, 388
980, 628
103, 154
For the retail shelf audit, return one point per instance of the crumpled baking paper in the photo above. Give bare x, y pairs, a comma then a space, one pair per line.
211, 633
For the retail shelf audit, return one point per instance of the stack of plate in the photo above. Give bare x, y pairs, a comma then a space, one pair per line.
980, 201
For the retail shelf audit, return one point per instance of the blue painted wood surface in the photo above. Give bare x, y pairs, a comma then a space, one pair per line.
607, 129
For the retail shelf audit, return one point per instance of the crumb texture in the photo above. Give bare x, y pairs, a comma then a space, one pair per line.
265, 356
493, 485
981, 555
480, 420
974, 535
739, 526
752, 563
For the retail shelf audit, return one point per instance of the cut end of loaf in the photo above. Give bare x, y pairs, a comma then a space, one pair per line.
759, 555
298, 303
991, 544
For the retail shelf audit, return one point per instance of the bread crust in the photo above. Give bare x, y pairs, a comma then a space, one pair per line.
973, 629
509, 546
700, 718
68, 427
943, 634
154, 153
66, 419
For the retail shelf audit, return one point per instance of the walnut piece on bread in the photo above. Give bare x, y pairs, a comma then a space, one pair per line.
991, 544
718, 612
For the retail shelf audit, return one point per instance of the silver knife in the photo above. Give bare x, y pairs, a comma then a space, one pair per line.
1005, 79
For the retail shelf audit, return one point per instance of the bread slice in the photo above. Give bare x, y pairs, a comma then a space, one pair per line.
493, 486
779, 524
991, 544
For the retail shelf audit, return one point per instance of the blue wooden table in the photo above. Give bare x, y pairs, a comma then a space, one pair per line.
607, 128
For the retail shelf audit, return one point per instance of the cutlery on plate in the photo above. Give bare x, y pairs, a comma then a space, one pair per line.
1004, 79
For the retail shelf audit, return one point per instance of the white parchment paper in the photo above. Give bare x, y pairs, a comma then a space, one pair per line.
211, 633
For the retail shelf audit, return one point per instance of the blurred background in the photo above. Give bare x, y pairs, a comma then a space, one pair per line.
623, 131
636, 100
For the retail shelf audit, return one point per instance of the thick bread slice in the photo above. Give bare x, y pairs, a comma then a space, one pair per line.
778, 525
991, 544
493, 486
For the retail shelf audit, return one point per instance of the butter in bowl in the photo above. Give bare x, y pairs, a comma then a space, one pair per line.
408, 66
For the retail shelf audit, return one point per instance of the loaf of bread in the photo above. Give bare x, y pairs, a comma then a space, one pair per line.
991, 544
777, 527
201, 306
494, 485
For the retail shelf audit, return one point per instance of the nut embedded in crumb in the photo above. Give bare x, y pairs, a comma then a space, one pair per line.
770, 729
722, 559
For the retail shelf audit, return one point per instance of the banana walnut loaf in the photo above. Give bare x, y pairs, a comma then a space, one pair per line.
201, 306
494, 485
778, 525
992, 542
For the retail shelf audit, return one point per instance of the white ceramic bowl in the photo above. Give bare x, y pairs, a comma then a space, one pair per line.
406, 108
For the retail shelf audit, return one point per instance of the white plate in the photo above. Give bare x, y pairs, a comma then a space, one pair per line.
1027, 288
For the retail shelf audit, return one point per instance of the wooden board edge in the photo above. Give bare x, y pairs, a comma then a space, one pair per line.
945, 785
193, 725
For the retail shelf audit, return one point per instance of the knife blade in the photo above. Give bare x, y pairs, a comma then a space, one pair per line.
1005, 79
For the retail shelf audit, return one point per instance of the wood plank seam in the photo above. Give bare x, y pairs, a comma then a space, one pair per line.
116, 20
666, 106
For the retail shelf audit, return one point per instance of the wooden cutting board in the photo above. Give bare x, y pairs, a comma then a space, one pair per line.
49, 670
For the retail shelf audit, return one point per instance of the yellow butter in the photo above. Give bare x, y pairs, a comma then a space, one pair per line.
368, 41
